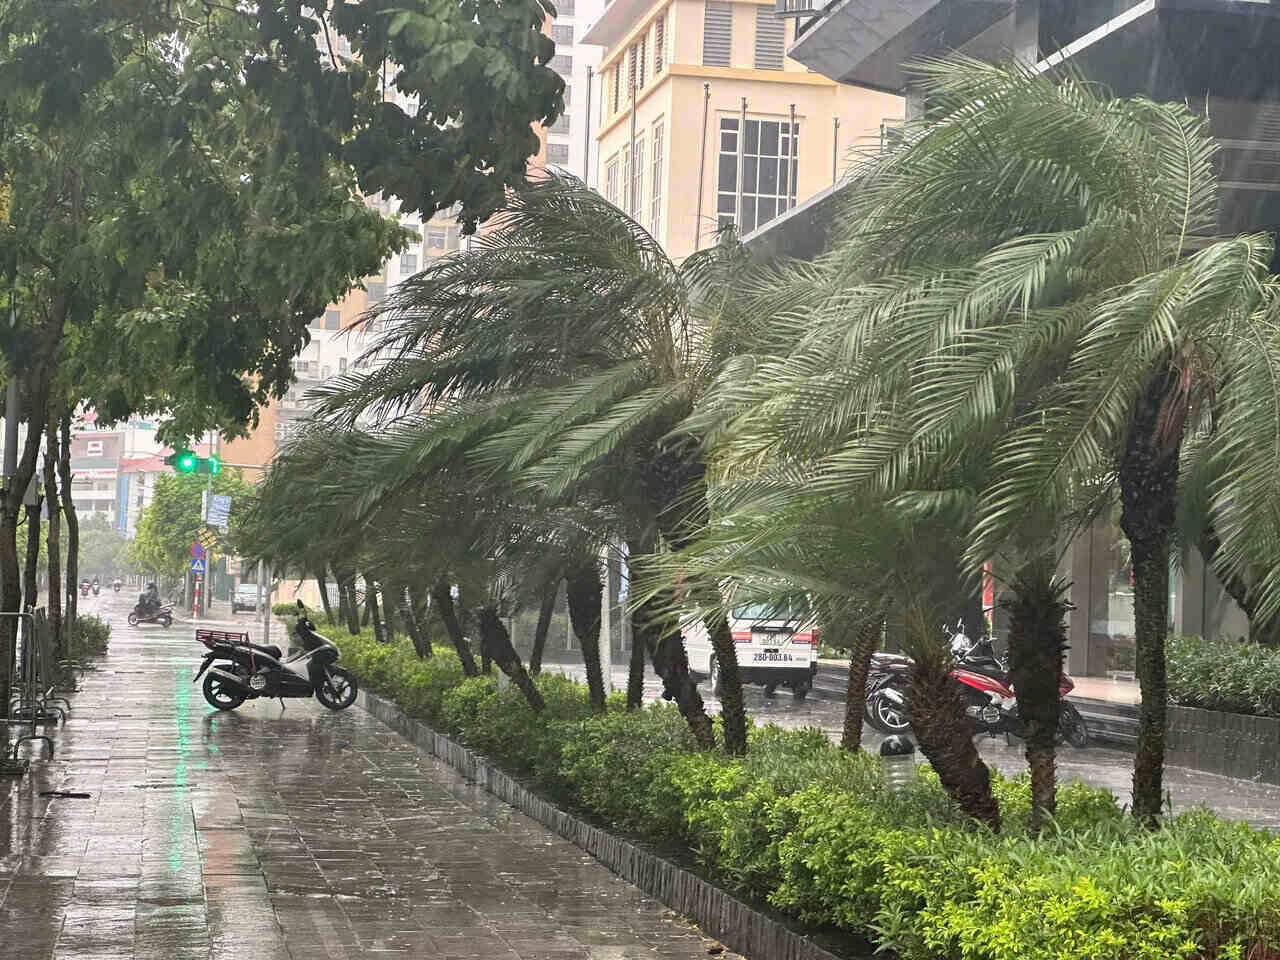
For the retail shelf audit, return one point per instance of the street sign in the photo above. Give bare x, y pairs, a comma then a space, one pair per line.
208, 537
197, 549
219, 510
197, 565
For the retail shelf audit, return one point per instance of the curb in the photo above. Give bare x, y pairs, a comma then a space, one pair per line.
739, 927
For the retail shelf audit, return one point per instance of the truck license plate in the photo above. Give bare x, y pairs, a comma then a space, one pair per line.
771, 657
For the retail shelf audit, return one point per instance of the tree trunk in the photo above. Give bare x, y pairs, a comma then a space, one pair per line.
322, 580
640, 648
353, 606
733, 711
371, 608
495, 639
1265, 632
1148, 500
1037, 644
52, 540
545, 611
364, 614
73, 524
864, 646
583, 590
421, 641
936, 709
443, 600
671, 663
31, 570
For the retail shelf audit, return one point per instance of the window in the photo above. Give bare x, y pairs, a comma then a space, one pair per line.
342, 364
561, 125
451, 238
611, 181
332, 319
408, 263
659, 43
624, 181
561, 63
568, 95
717, 33
642, 60
435, 238
93, 448
637, 177
767, 188
771, 40
631, 70
564, 8
655, 205
316, 323
562, 34
558, 153
617, 83
377, 290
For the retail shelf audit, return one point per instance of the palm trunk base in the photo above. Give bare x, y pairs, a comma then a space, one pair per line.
496, 643
671, 663
733, 711
864, 646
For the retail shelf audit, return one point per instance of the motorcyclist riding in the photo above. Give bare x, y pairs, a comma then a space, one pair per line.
149, 599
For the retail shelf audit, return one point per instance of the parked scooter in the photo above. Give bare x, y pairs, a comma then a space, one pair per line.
116, 584
247, 671
991, 705
96, 586
162, 615
84, 588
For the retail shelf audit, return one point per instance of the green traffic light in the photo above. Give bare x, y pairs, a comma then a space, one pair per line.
214, 464
182, 461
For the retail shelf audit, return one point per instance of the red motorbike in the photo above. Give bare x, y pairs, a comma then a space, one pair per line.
991, 706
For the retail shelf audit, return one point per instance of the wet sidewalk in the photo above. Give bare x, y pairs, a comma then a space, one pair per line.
257, 835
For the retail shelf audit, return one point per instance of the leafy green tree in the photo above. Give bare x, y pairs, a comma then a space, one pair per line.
1032, 274
104, 550
171, 523
577, 346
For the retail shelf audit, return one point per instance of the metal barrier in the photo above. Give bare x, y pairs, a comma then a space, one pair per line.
30, 705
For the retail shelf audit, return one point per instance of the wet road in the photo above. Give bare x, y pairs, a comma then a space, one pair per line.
1108, 767
258, 835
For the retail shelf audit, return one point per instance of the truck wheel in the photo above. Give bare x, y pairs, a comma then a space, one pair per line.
770, 690
800, 690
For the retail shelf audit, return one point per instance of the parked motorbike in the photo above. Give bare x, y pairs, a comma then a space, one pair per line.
115, 585
238, 670
991, 705
96, 587
84, 588
162, 615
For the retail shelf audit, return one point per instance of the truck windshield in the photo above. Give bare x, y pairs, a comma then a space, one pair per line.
792, 610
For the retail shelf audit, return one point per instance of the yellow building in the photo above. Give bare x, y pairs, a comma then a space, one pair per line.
675, 79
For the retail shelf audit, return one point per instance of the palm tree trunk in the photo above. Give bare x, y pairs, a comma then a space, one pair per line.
583, 590
1148, 499
545, 611
1037, 643
936, 709
322, 579
353, 606
733, 711
443, 600
864, 646
52, 543
73, 525
495, 639
640, 648
421, 642
671, 663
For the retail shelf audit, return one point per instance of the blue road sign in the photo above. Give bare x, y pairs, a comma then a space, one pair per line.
197, 564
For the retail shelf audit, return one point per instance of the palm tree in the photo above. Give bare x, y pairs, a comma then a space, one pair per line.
576, 346
1033, 273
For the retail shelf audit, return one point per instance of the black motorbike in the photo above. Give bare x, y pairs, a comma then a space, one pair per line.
96, 587
238, 670
115, 585
143, 613
84, 588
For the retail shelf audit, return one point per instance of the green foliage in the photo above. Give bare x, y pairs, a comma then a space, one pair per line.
88, 637
811, 829
103, 548
284, 609
1228, 675
171, 523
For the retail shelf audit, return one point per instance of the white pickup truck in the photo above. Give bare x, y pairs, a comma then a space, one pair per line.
775, 648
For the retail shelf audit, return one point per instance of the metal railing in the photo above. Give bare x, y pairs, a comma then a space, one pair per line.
36, 675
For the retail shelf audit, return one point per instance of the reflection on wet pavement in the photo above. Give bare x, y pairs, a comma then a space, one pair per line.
304, 834
1257, 803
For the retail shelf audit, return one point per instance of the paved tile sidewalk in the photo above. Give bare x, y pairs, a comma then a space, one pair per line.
258, 835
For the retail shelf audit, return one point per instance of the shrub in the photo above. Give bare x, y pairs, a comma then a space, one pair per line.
1228, 675
284, 609
88, 636
812, 830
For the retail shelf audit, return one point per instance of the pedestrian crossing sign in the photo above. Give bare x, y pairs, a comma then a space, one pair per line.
197, 565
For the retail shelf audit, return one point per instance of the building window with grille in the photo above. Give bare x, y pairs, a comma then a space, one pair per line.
435, 238
717, 33
624, 181
637, 177
342, 364
408, 263
617, 85
377, 291
558, 153
611, 181
561, 63
561, 125
332, 319
642, 60
767, 187
631, 70
659, 43
771, 40
562, 35
564, 8
451, 238
655, 204
567, 96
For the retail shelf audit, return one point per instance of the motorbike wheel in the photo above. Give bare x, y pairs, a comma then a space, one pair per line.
885, 715
221, 695
133, 619
1072, 725
166, 621
717, 680
339, 689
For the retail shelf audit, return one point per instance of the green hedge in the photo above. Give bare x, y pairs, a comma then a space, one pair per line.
1228, 675
88, 636
811, 830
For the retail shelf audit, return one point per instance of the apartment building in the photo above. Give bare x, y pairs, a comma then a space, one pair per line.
568, 145
704, 121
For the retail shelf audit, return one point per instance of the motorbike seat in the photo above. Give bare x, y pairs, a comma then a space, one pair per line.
271, 651
988, 668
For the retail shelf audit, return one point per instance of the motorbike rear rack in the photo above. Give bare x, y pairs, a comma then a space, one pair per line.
225, 636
